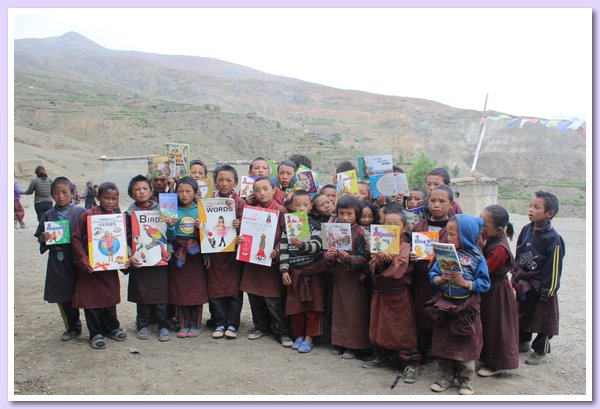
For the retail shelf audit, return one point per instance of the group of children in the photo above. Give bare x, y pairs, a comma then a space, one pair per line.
387, 309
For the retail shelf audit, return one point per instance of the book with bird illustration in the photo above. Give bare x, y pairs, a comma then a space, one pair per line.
148, 238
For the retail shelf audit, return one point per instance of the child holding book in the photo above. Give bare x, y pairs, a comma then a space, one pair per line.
263, 283
538, 267
187, 273
457, 338
350, 297
303, 273
148, 286
61, 271
499, 316
97, 292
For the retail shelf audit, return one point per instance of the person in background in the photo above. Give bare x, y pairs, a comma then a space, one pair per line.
41, 187
89, 195
19, 211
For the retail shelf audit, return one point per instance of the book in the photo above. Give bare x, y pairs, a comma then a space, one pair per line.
296, 225
168, 206
422, 244
246, 186
258, 228
305, 180
446, 257
59, 230
374, 165
148, 238
205, 188
181, 153
272, 168
413, 216
216, 216
347, 183
385, 238
107, 241
336, 236
161, 166
389, 184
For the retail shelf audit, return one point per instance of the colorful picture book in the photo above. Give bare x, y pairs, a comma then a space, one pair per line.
422, 244
374, 165
258, 229
336, 236
168, 206
148, 238
446, 257
272, 167
385, 238
205, 188
216, 216
59, 230
246, 186
347, 183
305, 180
107, 241
296, 225
413, 216
181, 153
389, 184
161, 166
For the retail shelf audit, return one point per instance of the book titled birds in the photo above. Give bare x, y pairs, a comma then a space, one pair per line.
258, 229
148, 238
168, 206
107, 245
59, 232
216, 217
385, 238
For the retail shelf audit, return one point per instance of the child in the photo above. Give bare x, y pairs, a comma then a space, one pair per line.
303, 272
97, 292
499, 316
364, 191
148, 286
391, 331
159, 185
263, 284
369, 214
323, 209
19, 211
439, 176
187, 273
198, 169
457, 337
286, 171
416, 197
350, 298
260, 167
538, 267
225, 272
61, 271
440, 202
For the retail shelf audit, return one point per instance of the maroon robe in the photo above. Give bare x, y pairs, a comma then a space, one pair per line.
307, 291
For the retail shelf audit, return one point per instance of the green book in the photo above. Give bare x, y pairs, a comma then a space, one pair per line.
296, 225
59, 232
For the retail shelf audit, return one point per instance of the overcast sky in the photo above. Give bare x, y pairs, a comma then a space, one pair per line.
532, 62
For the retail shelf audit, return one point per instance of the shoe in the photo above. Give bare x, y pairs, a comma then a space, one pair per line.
194, 332
183, 333
23, 226
257, 333
285, 341
231, 332
348, 354
70, 334
143, 333
118, 335
163, 335
377, 362
219, 332
297, 343
305, 347
535, 358
485, 371
98, 342
465, 388
441, 385
336, 350
524, 346
410, 374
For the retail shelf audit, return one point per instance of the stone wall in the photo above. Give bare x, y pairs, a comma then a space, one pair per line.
475, 193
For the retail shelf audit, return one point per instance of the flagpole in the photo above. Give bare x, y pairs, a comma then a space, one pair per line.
482, 130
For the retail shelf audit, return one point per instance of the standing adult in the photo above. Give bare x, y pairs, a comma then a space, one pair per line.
42, 201
90, 195
19, 211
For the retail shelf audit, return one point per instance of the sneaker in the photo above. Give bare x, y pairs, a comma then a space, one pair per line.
535, 358
143, 333
297, 343
219, 332
285, 341
441, 385
465, 388
70, 334
183, 333
348, 354
257, 333
163, 335
377, 362
485, 371
410, 374
524, 346
194, 332
231, 332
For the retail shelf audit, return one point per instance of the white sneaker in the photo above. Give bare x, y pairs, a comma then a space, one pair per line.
219, 332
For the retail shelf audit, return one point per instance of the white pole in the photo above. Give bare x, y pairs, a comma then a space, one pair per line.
482, 129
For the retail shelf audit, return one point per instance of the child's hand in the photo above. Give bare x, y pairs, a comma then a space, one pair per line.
285, 277
387, 257
330, 255
207, 262
399, 198
170, 222
481, 242
135, 262
344, 256
444, 278
274, 254
89, 269
197, 224
380, 200
45, 236
126, 265
296, 242
240, 239
458, 279
413, 257
235, 224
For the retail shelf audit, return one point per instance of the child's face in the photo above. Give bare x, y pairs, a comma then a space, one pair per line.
185, 194
159, 185
264, 192
109, 200
301, 203
331, 194
346, 215
324, 205
452, 230
432, 181
364, 193
285, 175
225, 183
366, 218
259, 168
537, 210
394, 220
62, 195
439, 204
197, 171
414, 200
488, 230
140, 192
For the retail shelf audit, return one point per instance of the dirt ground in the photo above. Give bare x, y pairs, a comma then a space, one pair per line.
44, 365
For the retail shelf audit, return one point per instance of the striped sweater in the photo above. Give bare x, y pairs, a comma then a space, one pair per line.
41, 187
311, 250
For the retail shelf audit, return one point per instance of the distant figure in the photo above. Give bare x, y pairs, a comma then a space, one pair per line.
90, 194
41, 186
19, 211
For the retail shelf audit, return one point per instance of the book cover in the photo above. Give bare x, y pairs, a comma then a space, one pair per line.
422, 244
148, 238
246, 186
258, 229
181, 153
305, 181
272, 168
216, 216
296, 225
347, 183
337, 236
446, 257
107, 241
161, 166
168, 206
389, 184
205, 188
413, 216
385, 238
374, 165
59, 230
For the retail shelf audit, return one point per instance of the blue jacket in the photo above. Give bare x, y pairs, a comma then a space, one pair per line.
471, 260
